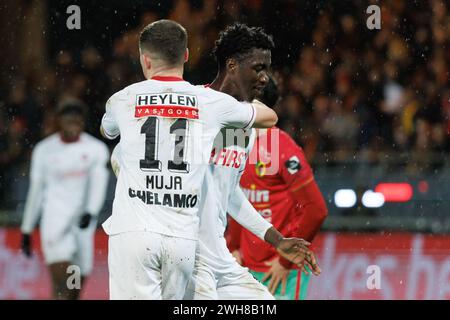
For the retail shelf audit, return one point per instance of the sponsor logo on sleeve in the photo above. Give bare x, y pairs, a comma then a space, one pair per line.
293, 165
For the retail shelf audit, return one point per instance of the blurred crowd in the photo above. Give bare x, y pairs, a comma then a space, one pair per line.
347, 91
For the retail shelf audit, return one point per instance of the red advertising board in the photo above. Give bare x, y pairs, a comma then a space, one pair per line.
23, 278
354, 266
412, 266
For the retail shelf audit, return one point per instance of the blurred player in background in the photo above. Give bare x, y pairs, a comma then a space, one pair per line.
68, 180
244, 57
290, 200
167, 128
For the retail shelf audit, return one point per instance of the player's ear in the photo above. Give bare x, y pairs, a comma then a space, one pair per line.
146, 61
186, 55
231, 65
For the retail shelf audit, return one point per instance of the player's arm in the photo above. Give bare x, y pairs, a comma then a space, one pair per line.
293, 249
34, 199
233, 237
115, 160
306, 224
265, 116
98, 183
109, 128
297, 174
241, 210
313, 210
246, 115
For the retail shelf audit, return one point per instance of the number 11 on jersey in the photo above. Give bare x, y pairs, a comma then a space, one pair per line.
151, 130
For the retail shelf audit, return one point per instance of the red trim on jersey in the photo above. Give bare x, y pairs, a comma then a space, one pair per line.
298, 286
66, 140
301, 185
207, 85
167, 78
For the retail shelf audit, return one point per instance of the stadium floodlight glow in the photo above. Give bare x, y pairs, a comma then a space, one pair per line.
372, 199
395, 192
345, 198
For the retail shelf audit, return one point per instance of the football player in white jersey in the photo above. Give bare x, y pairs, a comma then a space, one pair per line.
167, 127
244, 57
68, 181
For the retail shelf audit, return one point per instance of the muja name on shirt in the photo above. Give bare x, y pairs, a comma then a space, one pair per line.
174, 200
164, 182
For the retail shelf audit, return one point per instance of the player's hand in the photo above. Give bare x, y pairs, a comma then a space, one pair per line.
85, 220
237, 255
26, 245
277, 273
296, 250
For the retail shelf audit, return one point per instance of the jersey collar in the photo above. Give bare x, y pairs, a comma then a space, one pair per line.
166, 78
66, 141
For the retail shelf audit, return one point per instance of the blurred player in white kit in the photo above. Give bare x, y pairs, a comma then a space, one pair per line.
68, 181
167, 127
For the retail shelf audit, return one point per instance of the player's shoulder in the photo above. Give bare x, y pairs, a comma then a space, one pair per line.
217, 95
47, 143
119, 95
284, 136
150, 85
138, 86
88, 138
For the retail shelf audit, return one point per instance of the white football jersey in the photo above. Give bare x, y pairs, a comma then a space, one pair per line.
66, 180
227, 164
167, 127
221, 179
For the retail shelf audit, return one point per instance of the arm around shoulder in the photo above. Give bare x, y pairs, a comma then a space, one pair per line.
265, 117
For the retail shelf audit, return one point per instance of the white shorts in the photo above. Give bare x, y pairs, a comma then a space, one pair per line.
71, 244
234, 284
149, 266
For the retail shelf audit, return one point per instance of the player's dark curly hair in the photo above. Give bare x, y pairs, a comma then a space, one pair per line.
237, 40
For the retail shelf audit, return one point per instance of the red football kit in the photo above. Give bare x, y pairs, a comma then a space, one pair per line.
280, 185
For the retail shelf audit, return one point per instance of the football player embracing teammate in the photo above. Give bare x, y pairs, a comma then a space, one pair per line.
244, 56
167, 127
242, 74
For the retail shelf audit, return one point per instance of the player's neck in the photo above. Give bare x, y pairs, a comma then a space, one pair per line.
221, 84
68, 139
176, 72
217, 83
